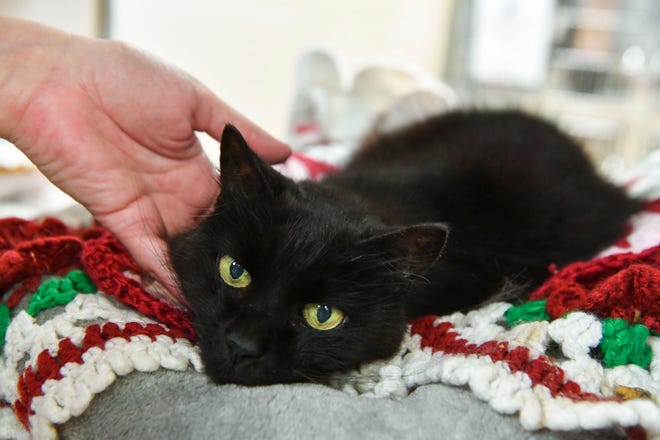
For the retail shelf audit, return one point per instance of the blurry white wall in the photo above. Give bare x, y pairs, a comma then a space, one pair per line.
78, 16
245, 51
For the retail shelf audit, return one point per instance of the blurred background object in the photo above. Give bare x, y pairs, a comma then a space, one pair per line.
599, 75
593, 66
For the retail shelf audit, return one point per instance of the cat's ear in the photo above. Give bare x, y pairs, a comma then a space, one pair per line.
413, 248
242, 170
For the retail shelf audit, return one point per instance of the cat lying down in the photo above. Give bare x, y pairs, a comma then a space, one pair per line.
295, 282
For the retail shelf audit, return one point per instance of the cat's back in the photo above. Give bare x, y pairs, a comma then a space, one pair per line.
463, 139
452, 165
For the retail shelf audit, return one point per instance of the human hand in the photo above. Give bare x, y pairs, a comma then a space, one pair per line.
115, 129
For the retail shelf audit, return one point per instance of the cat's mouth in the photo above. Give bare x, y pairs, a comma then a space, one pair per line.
225, 368
253, 374
224, 365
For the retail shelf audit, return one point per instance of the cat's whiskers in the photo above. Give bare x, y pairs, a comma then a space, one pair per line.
311, 379
373, 378
416, 276
361, 256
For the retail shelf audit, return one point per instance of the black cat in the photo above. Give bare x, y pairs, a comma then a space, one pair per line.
298, 281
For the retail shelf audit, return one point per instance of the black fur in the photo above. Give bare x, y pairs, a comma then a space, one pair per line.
434, 218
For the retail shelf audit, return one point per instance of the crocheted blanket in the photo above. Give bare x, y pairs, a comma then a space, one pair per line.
582, 353
54, 363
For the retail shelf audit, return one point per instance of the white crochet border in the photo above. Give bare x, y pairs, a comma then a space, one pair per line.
71, 395
508, 392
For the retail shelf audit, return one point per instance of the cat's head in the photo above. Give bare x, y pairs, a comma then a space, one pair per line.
288, 284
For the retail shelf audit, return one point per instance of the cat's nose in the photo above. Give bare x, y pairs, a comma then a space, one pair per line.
244, 345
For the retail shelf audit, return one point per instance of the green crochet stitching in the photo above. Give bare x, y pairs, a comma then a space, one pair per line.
51, 293
527, 312
624, 344
60, 291
5, 317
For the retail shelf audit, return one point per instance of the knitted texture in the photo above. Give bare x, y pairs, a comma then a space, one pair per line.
52, 367
59, 291
623, 286
583, 353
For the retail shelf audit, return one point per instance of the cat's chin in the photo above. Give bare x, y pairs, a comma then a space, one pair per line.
254, 378
247, 371
258, 374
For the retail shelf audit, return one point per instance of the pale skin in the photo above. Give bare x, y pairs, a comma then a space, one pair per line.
115, 129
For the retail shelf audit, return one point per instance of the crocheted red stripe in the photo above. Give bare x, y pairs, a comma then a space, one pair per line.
48, 366
316, 168
106, 261
14, 231
617, 286
540, 370
652, 206
29, 250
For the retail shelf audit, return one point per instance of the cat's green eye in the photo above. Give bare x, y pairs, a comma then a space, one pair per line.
233, 273
322, 316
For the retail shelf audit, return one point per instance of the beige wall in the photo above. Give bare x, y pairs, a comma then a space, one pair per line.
79, 16
246, 50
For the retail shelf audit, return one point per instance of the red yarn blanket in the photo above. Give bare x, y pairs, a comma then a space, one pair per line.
29, 250
621, 290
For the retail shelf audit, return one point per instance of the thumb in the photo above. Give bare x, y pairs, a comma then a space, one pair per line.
212, 114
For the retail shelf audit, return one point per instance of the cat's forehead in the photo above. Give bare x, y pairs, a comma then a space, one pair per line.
306, 244
309, 229
299, 243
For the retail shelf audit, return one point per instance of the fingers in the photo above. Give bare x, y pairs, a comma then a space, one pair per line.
212, 114
168, 288
151, 255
